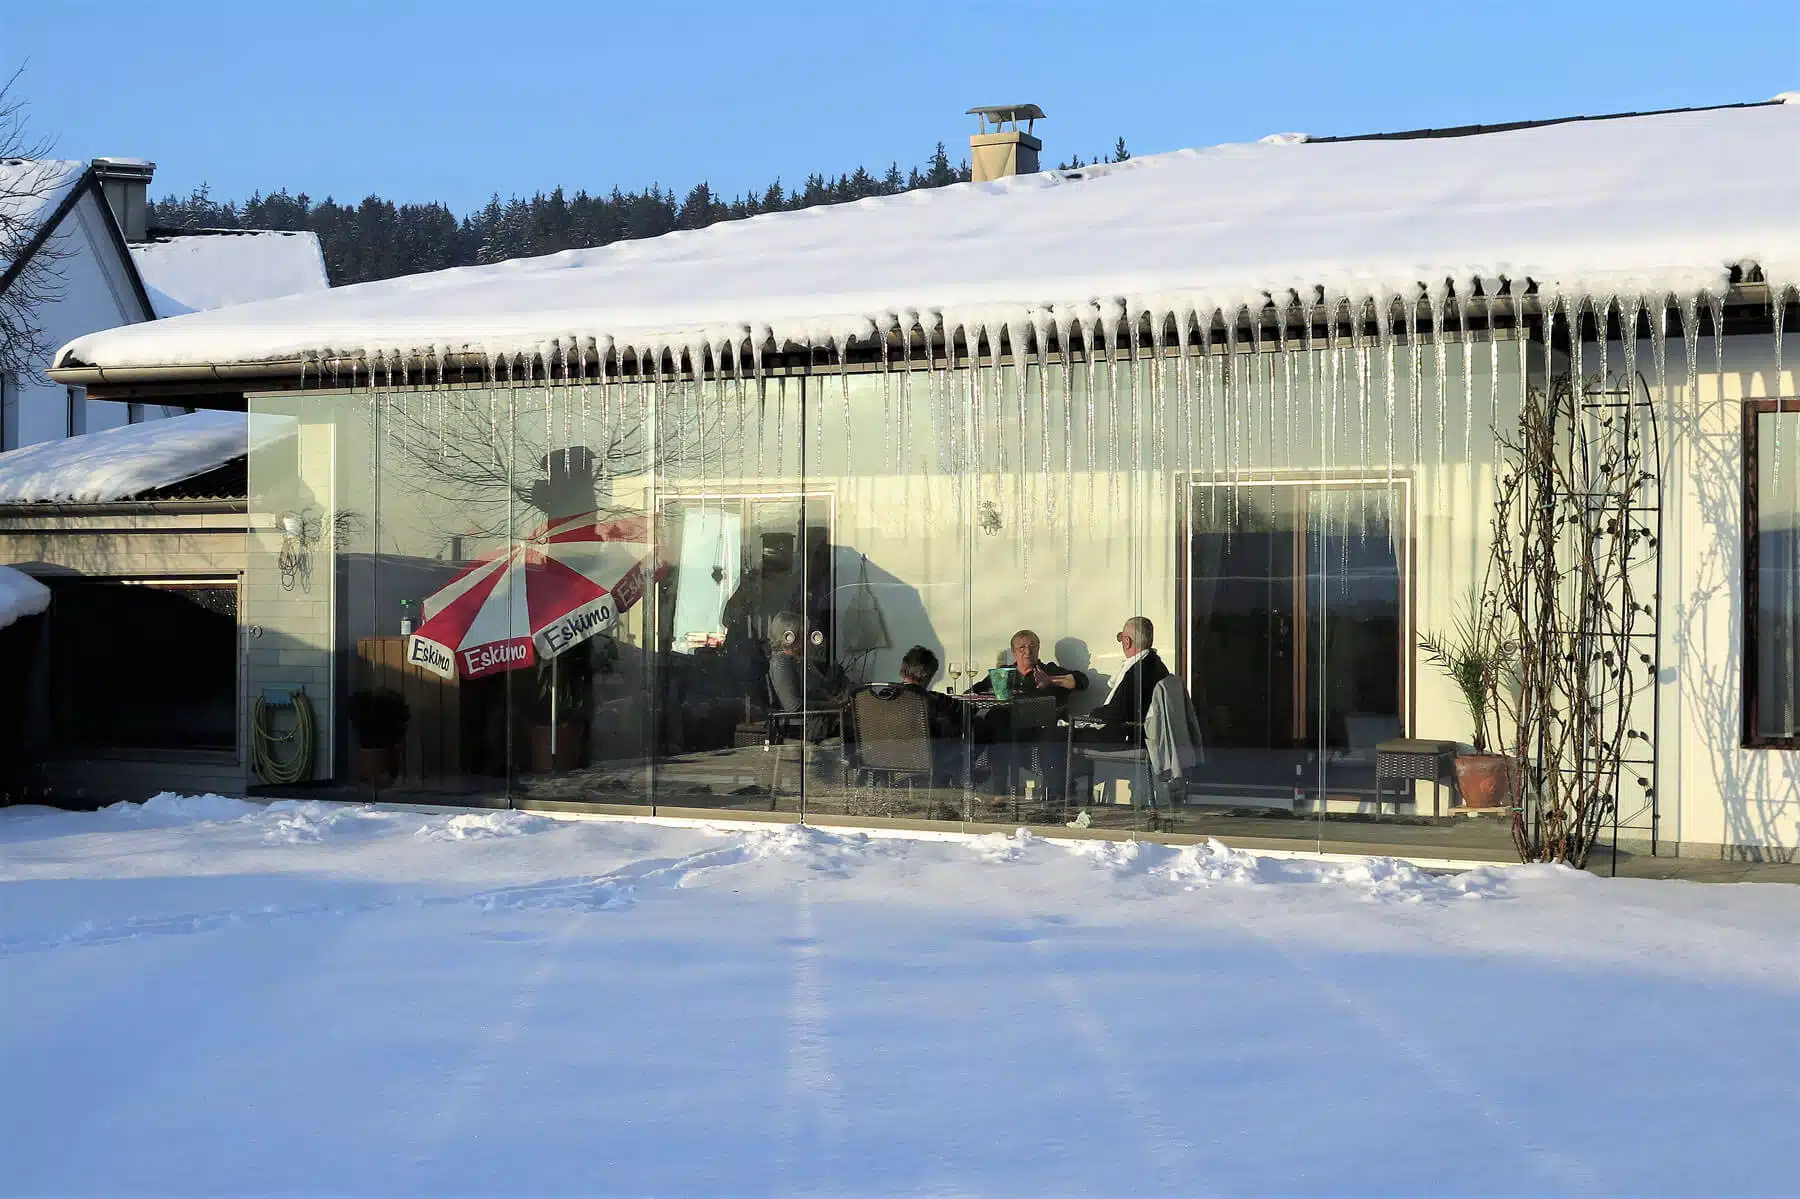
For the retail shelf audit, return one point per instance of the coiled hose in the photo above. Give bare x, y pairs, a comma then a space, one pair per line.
265, 743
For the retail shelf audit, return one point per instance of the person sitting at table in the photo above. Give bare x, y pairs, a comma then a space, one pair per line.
1035, 677
1119, 721
944, 716
797, 683
1010, 746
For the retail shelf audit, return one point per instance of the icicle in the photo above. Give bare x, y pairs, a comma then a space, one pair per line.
1040, 334
1091, 435
1659, 348
1690, 333
904, 451
1064, 326
1717, 305
842, 346
1493, 367
1778, 303
1110, 338
1468, 370
1023, 518
1136, 400
1575, 315
1629, 311
1184, 399
1359, 341
1385, 310
1418, 379
1437, 296
1234, 415
1252, 407
1359, 352
1287, 386
1210, 405
1334, 386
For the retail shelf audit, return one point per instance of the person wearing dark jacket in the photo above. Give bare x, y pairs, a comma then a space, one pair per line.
1120, 719
1033, 676
1011, 747
943, 714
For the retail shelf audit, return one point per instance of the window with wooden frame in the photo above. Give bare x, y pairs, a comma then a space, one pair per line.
1772, 574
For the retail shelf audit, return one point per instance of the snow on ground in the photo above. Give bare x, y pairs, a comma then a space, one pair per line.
204, 995
113, 464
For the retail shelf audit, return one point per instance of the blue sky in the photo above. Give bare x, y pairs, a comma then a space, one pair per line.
453, 101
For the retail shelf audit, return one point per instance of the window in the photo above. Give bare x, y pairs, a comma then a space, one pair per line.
1772, 574
144, 666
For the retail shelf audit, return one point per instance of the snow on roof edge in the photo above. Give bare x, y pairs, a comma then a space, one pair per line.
581, 299
127, 460
20, 596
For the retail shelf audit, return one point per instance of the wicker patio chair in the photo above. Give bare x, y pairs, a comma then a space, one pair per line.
892, 739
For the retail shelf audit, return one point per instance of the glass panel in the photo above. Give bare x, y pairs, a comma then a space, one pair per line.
426, 595
583, 557
1777, 617
744, 567
888, 449
1354, 637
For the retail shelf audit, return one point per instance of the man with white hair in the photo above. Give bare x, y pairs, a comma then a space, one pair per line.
1121, 718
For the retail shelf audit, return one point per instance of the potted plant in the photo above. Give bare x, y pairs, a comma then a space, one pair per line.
564, 684
1479, 660
380, 717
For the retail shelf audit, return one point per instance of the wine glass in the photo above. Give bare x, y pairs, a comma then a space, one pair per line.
956, 674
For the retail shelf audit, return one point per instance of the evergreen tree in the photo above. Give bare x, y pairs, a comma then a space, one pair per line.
378, 239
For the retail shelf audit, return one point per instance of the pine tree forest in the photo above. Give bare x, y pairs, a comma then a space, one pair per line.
379, 239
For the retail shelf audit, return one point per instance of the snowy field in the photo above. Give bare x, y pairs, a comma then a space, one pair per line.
202, 996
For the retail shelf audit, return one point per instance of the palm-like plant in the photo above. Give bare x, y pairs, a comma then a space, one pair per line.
1478, 658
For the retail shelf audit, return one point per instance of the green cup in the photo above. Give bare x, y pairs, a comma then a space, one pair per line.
1000, 678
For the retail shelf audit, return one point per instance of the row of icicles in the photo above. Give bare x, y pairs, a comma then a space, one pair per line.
1050, 333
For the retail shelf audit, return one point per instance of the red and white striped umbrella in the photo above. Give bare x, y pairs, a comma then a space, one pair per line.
567, 582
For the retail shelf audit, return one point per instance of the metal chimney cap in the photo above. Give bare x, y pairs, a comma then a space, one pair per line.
1009, 112
125, 168
1000, 114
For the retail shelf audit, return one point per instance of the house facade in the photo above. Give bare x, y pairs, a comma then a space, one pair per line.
104, 266
1299, 405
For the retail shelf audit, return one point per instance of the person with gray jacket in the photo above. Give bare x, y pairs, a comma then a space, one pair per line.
799, 685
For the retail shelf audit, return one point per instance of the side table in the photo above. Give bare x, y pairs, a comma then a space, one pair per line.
1406, 759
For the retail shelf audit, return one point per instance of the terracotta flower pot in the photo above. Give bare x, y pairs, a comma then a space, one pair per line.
378, 766
1487, 780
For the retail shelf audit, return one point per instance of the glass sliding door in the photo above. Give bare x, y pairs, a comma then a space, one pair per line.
1298, 623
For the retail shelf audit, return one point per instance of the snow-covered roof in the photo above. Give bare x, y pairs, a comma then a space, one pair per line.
30, 190
118, 463
20, 595
193, 272
1648, 204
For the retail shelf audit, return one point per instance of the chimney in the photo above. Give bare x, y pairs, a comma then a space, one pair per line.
1004, 149
126, 182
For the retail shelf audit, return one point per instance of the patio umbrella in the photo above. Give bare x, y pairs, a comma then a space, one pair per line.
568, 581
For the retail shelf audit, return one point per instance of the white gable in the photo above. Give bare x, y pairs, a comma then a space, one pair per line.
30, 190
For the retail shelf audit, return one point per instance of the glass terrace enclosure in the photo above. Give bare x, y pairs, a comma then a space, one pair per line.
575, 576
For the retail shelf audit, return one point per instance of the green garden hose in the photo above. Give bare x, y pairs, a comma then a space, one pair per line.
264, 742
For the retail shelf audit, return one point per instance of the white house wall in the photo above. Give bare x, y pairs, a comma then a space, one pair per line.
961, 553
95, 292
1716, 793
